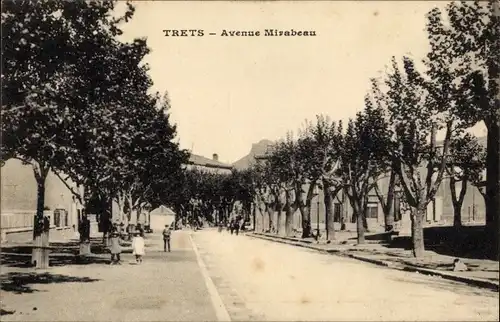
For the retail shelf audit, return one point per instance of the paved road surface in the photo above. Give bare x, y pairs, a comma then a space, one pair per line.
166, 287
272, 281
239, 278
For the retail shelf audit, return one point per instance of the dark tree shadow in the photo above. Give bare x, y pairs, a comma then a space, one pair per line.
467, 242
6, 312
20, 282
24, 260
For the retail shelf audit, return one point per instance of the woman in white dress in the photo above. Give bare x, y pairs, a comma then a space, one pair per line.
138, 247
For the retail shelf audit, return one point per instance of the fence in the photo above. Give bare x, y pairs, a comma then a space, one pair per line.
21, 219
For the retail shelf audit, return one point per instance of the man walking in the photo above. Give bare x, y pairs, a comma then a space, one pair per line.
166, 238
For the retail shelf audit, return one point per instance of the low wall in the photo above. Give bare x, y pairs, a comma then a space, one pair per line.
25, 234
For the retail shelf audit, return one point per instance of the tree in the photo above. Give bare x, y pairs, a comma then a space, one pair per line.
272, 188
325, 138
310, 169
416, 116
44, 44
386, 164
260, 189
283, 167
465, 165
468, 42
363, 145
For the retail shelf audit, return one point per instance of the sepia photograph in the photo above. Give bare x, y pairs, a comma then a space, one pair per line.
250, 160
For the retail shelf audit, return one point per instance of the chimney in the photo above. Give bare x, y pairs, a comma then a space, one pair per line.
215, 157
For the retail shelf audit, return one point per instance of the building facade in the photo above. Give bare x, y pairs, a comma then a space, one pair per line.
201, 163
19, 199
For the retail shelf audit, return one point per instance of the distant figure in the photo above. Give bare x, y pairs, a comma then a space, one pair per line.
166, 238
237, 226
138, 247
231, 226
221, 225
115, 247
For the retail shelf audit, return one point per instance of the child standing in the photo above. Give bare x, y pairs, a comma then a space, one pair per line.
166, 238
115, 247
138, 247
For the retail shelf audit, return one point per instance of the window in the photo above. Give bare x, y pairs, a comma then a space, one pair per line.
372, 211
337, 212
397, 208
57, 218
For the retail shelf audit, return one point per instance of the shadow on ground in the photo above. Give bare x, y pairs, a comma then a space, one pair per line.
24, 260
467, 242
21, 282
442, 284
6, 312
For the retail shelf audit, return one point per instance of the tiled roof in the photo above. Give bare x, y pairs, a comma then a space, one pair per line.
206, 162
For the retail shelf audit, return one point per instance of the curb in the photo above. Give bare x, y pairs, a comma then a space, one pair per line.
478, 282
217, 303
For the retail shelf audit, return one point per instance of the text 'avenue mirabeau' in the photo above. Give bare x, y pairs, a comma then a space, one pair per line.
239, 33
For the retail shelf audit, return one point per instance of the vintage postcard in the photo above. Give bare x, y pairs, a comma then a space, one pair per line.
250, 160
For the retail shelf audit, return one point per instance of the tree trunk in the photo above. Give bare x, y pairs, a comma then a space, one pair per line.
365, 221
289, 212
457, 217
40, 253
389, 208
278, 219
360, 227
260, 221
330, 219
493, 184
306, 221
359, 206
270, 214
417, 231
289, 222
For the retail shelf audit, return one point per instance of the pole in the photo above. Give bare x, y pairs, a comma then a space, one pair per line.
473, 206
317, 217
254, 216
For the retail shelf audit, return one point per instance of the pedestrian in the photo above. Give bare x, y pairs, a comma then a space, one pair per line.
115, 247
237, 226
138, 247
166, 238
221, 225
231, 226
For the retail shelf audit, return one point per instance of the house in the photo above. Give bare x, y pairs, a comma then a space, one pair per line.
160, 217
213, 165
19, 200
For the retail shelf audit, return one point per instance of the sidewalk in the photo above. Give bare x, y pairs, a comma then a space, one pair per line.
481, 273
166, 286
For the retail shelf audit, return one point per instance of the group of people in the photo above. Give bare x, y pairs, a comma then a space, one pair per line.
138, 245
234, 226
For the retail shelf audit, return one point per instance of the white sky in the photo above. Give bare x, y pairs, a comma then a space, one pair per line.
228, 93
